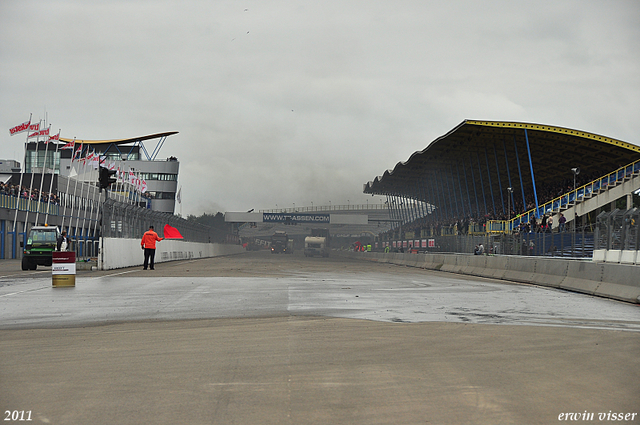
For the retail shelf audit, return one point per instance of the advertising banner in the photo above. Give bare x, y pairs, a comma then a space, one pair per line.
295, 218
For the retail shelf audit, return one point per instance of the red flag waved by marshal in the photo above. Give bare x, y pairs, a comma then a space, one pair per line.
171, 232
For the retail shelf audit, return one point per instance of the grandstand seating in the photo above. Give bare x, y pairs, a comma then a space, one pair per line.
584, 199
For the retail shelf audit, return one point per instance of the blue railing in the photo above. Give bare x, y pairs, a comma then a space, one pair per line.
24, 204
569, 199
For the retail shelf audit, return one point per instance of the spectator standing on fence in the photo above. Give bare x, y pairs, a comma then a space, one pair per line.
148, 243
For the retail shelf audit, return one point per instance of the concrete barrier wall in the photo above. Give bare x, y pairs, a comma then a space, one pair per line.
119, 253
610, 280
616, 256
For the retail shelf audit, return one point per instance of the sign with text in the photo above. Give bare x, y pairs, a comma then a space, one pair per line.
295, 218
63, 268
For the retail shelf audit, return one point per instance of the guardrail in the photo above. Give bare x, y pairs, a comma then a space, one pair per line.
25, 204
316, 208
569, 199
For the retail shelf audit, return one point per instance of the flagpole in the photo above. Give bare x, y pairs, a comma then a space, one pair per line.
24, 164
82, 189
44, 166
66, 193
121, 180
93, 197
75, 187
53, 171
180, 199
26, 219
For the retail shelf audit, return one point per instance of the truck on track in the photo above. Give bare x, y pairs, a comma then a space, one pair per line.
279, 242
318, 243
41, 242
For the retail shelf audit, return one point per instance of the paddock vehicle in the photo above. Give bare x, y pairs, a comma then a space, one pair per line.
318, 243
41, 242
279, 242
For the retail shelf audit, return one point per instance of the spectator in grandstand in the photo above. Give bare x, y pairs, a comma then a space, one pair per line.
550, 224
533, 225
561, 221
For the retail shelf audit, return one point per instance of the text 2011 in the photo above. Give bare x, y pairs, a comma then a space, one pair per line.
17, 415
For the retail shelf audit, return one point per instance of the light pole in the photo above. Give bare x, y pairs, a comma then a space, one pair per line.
509, 192
575, 172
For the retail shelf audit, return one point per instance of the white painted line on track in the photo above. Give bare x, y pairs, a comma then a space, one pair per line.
21, 292
111, 275
24, 274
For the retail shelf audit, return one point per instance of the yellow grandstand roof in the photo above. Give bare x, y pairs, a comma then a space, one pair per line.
121, 141
485, 153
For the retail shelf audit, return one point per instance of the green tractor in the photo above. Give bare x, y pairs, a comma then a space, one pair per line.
41, 242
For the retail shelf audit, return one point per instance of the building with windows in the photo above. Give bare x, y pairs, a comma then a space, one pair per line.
160, 175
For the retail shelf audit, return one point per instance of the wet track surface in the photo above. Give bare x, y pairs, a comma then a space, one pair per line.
263, 339
265, 285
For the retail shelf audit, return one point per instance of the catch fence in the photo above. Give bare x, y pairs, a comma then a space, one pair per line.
121, 220
618, 229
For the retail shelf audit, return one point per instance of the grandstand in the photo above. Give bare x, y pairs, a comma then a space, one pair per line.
495, 177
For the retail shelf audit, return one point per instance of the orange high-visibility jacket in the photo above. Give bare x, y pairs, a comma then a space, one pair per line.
149, 239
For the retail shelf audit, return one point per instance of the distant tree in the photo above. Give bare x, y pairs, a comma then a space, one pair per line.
219, 229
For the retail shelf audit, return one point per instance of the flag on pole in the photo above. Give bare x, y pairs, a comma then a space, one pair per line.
43, 132
78, 153
179, 195
69, 145
34, 127
20, 128
52, 138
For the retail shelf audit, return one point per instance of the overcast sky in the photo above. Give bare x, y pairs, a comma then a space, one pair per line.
298, 101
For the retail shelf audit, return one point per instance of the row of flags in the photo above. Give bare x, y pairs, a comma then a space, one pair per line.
89, 158
35, 128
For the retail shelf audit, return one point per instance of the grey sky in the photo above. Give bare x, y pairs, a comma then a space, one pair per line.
282, 102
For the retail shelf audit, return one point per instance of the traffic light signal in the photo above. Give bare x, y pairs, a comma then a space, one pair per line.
104, 177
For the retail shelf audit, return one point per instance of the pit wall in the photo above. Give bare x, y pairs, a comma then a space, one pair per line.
616, 281
118, 253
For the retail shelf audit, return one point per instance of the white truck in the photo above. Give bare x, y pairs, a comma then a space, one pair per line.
317, 243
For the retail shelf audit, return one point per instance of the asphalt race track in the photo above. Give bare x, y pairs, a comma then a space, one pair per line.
261, 339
